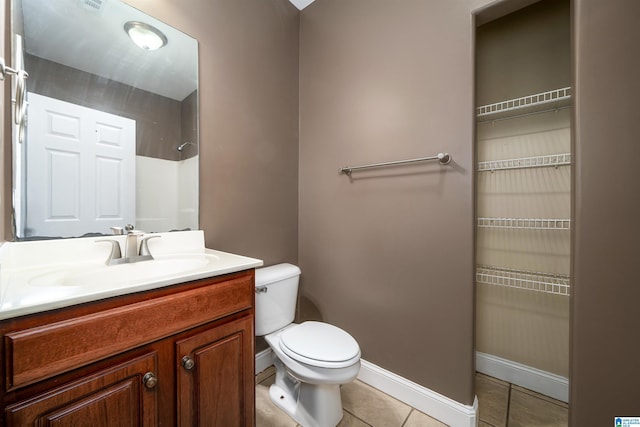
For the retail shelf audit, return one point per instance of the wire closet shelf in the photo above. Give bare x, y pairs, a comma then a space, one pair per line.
531, 104
555, 160
557, 284
553, 100
526, 223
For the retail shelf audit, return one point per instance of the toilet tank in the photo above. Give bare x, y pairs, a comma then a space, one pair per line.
276, 297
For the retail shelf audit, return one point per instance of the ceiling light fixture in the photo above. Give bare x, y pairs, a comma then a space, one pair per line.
145, 35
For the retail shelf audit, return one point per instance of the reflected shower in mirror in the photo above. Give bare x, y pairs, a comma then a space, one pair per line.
111, 135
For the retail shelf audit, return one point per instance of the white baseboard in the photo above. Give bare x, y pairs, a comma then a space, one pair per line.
543, 382
442, 408
263, 360
435, 405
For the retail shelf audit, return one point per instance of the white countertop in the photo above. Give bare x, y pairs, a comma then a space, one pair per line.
44, 275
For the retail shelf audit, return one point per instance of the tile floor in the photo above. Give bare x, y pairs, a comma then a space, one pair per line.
507, 405
500, 405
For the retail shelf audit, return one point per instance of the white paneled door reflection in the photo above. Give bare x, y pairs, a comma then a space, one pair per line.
80, 166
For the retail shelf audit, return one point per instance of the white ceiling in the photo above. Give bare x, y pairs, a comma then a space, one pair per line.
64, 31
301, 4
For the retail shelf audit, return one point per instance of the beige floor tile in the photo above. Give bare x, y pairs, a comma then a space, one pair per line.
268, 414
495, 380
527, 410
373, 406
493, 400
349, 420
267, 381
367, 407
418, 419
540, 396
261, 376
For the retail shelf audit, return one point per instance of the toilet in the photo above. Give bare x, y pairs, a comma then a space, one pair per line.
312, 359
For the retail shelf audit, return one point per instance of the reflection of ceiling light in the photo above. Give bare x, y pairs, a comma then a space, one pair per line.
145, 36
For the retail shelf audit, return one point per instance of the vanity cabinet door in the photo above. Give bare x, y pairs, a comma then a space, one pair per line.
124, 395
215, 381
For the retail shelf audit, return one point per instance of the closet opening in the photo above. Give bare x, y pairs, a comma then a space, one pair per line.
523, 196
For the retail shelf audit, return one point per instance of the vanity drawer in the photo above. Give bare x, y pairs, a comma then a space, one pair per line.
44, 351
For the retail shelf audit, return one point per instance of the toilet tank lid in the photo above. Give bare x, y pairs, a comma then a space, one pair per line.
274, 273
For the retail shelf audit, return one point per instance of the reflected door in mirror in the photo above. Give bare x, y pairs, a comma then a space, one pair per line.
81, 168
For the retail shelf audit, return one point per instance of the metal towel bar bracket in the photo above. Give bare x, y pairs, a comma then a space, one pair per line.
20, 107
4, 70
442, 158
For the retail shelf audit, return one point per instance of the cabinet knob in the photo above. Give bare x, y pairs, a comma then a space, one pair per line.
188, 363
150, 380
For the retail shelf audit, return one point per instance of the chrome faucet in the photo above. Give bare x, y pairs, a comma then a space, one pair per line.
131, 252
131, 244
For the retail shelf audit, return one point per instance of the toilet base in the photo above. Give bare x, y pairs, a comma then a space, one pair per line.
310, 405
317, 405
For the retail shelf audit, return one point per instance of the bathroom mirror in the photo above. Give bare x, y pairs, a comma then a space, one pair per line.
111, 134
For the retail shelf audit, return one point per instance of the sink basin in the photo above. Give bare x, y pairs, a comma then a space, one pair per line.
125, 274
48, 274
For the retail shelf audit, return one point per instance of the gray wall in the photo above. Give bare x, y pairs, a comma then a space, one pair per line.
189, 125
248, 94
605, 367
388, 254
526, 52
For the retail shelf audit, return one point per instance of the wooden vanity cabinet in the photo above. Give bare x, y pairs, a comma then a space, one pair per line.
212, 379
181, 355
113, 397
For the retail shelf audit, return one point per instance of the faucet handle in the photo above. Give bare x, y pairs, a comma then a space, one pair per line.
115, 250
131, 229
117, 230
144, 246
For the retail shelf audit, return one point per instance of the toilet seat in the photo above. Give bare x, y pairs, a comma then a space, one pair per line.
320, 344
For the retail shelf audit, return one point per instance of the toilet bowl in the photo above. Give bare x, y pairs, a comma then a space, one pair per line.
312, 359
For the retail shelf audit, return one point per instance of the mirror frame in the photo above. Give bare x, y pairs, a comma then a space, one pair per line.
179, 146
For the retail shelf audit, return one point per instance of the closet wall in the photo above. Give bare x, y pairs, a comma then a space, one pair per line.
524, 187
